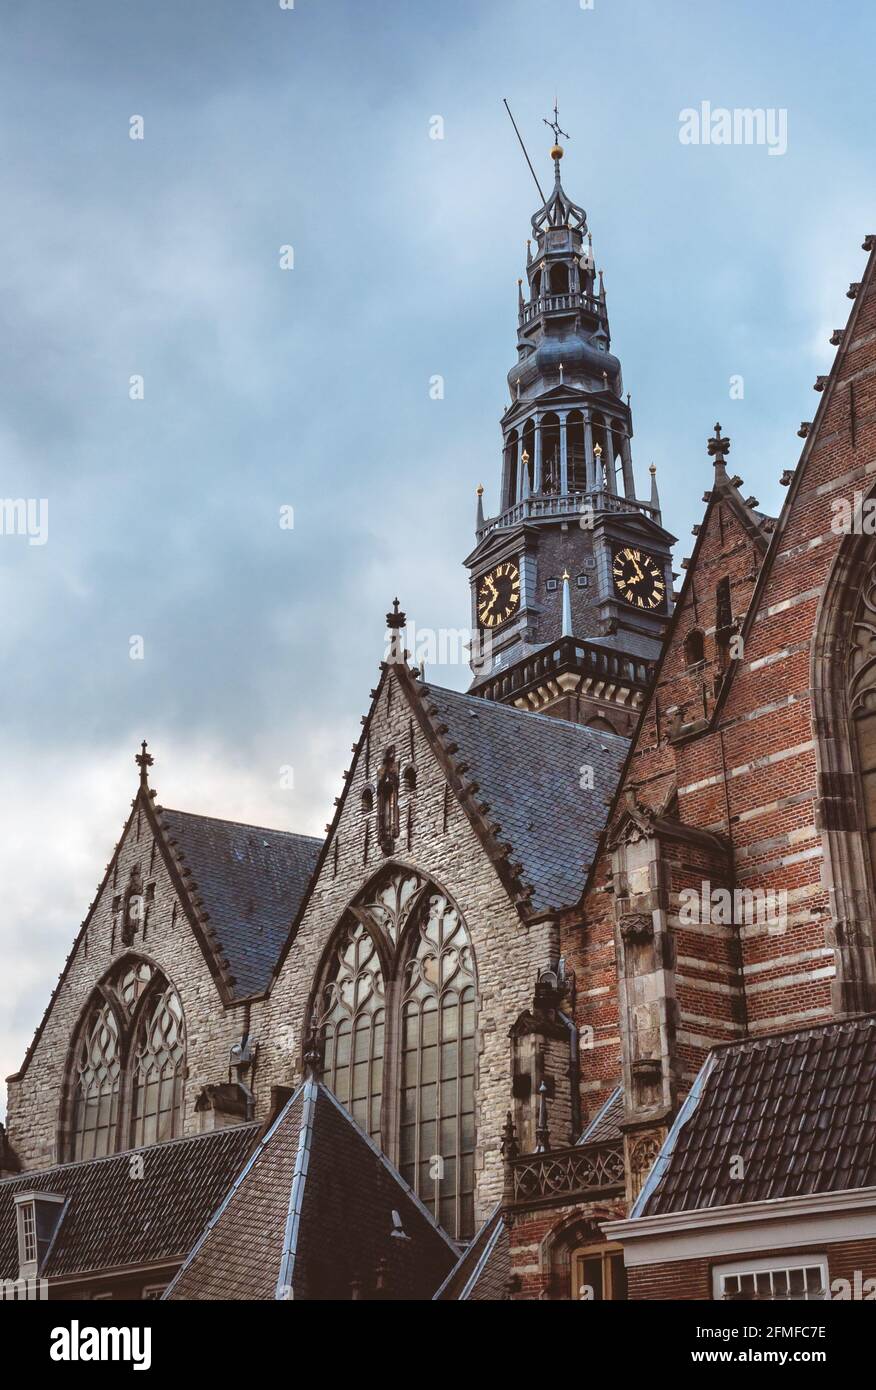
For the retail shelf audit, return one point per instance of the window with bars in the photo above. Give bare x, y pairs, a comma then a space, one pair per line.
129, 1065
406, 1072
801, 1279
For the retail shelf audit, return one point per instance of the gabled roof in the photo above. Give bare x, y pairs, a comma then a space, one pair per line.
251, 881
528, 770
798, 1108
483, 1271
112, 1220
242, 896
316, 1209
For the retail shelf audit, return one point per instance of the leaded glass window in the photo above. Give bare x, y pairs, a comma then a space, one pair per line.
159, 1072
416, 1068
128, 1065
352, 1028
98, 1071
437, 1130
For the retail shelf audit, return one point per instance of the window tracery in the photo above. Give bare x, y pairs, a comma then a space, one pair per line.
398, 1040
128, 1064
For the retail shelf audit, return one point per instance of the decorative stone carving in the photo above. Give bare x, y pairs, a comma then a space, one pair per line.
862, 652
134, 907
636, 927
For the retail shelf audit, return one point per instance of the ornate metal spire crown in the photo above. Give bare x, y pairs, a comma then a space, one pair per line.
559, 210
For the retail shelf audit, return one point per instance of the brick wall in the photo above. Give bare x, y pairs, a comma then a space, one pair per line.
692, 1279
747, 761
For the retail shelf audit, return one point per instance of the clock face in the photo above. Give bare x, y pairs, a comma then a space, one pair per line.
498, 595
638, 578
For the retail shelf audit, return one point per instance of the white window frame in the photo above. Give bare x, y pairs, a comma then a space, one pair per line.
28, 1240
775, 1264
27, 1236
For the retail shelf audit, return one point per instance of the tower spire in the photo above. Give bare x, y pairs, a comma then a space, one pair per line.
655, 496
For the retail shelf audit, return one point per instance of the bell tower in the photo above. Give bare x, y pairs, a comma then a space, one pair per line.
571, 578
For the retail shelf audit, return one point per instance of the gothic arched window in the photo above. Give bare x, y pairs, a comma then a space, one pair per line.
437, 1133
158, 1071
96, 1096
352, 1025
128, 1065
396, 1019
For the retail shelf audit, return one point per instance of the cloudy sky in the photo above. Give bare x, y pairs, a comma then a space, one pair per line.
309, 127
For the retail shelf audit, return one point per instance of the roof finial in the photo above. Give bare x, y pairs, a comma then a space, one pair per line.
542, 1132
509, 1150
395, 622
312, 1056
655, 496
567, 606
719, 448
479, 519
557, 151
144, 761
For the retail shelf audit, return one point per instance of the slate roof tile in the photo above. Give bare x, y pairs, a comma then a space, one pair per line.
798, 1108
529, 769
342, 1192
483, 1272
252, 882
113, 1220
605, 1124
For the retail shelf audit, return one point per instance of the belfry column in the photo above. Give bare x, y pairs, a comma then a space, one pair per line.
536, 476
608, 459
520, 452
588, 453
564, 455
627, 465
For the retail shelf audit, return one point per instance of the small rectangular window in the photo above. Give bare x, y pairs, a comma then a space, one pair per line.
599, 1275
582, 581
553, 585
28, 1234
799, 1279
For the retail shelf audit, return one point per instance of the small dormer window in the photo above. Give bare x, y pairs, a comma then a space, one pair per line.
553, 585
583, 581
37, 1216
27, 1219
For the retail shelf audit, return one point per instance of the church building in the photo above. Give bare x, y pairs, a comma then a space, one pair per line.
576, 999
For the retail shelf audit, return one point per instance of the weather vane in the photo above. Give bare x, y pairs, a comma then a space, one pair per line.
555, 126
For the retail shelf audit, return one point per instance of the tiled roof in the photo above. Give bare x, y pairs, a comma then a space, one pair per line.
313, 1211
605, 1124
483, 1271
252, 882
798, 1108
529, 770
113, 1220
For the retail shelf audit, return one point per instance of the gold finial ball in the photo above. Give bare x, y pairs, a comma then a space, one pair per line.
480, 489
557, 152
